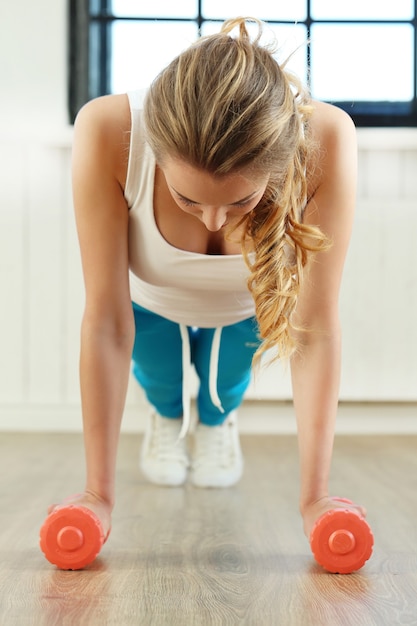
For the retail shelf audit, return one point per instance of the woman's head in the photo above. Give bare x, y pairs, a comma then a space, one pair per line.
223, 105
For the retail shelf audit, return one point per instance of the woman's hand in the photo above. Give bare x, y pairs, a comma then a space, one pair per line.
100, 507
311, 512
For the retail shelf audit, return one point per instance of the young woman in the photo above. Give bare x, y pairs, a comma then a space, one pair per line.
223, 211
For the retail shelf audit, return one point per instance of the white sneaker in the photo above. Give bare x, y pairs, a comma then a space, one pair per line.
218, 460
164, 458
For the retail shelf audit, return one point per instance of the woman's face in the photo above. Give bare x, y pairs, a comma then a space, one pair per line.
215, 201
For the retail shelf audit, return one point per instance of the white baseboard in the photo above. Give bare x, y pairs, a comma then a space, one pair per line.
255, 417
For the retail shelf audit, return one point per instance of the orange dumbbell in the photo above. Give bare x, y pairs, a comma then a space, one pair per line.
71, 537
341, 540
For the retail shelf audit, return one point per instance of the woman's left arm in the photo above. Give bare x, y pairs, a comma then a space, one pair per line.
315, 368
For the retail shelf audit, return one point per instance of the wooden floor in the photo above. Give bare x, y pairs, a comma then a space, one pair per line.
191, 557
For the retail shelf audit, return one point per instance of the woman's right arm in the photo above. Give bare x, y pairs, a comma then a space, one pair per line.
107, 332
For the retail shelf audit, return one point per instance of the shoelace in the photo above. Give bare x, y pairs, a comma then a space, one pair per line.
166, 444
215, 447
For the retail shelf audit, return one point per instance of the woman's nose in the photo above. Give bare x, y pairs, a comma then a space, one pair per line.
214, 218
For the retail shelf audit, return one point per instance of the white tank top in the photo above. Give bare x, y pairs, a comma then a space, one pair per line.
185, 287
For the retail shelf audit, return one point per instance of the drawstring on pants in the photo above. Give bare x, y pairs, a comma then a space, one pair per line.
186, 376
186, 381
214, 369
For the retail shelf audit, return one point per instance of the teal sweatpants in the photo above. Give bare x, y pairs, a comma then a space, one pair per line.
222, 359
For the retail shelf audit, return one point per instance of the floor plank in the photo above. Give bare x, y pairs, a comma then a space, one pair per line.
186, 556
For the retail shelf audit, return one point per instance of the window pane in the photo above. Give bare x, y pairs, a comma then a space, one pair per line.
94, 7
262, 9
142, 49
362, 10
161, 8
290, 40
379, 66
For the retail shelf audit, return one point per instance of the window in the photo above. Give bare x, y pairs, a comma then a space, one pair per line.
361, 54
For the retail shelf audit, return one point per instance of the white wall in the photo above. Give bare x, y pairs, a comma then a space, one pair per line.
33, 72
40, 278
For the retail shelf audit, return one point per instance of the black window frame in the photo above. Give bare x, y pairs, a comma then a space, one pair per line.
90, 50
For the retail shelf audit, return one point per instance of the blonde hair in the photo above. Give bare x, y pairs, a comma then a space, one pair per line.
226, 104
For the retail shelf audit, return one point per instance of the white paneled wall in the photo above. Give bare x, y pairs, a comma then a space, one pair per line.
40, 282
42, 293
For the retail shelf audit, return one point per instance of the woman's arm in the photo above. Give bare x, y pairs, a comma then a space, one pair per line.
315, 369
107, 333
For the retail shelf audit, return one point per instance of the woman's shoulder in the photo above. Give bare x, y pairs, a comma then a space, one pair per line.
108, 111
106, 117
328, 121
101, 130
334, 143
